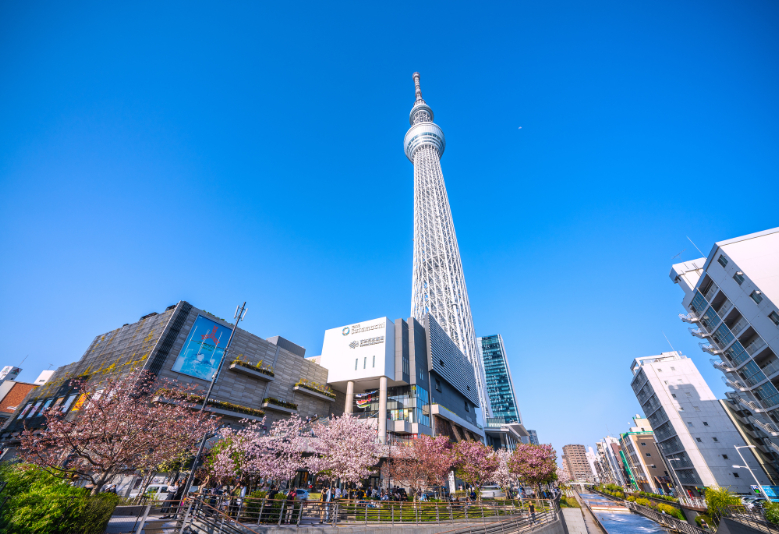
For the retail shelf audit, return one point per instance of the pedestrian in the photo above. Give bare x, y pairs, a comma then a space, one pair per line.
291, 504
327, 499
532, 509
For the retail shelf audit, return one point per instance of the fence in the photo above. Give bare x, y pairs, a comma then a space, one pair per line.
665, 519
230, 514
753, 517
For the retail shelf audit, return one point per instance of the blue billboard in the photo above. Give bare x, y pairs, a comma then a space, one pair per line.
203, 349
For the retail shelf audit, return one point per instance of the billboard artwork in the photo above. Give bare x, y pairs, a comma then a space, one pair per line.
203, 349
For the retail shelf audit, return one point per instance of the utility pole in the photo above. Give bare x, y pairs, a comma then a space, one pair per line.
240, 313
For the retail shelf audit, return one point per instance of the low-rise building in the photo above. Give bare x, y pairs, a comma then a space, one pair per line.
261, 377
642, 459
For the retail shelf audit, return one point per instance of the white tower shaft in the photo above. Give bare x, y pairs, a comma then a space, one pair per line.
438, 285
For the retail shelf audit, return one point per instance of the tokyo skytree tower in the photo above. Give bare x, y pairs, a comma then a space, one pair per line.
438, 285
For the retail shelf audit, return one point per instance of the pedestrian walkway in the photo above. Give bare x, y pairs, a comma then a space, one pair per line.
574, 520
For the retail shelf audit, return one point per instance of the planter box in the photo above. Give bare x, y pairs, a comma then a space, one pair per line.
250, 372
313, 393
277, 408
216, 410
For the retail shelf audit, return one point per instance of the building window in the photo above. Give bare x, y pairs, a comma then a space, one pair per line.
735, 475
697, 408
643, 444
724, 456
666, 472
437, 385
739, 277
365, 363
756, 296
774, 317
689, 423
715, 439
722, 260
705, 423
441, 362
659, 370
648, 454
673, 368
467, 409
355, 363
699, 440
673, 395
374, 360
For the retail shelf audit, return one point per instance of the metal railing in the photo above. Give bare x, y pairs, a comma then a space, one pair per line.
697, 332
689, 318
234, 514
754, 517
707, 347
722, 366
756, 346
665, 520
769, 428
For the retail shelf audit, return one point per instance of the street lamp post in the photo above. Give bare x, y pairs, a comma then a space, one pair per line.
240, 313
746, 465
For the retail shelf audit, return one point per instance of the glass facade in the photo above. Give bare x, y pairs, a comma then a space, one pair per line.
404, 403
500, 387
408, 403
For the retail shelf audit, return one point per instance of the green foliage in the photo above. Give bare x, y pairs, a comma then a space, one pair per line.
568, 502
632, 499
44, 504
643, 502
709, 520
718, 500
772, 512
670, 510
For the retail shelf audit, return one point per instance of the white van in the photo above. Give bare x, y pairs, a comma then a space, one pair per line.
154, 492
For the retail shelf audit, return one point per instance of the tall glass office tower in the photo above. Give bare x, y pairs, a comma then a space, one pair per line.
500, 386
438, 285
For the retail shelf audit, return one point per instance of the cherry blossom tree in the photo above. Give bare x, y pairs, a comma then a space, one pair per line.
345, 447
502, 476
120, 427
423, 463
534, 464
476, 463
246, 455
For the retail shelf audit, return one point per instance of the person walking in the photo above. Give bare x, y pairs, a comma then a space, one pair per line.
327, 497
290, 504
532, 509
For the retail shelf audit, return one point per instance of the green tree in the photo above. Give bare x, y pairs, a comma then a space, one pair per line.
717, 500
42, 503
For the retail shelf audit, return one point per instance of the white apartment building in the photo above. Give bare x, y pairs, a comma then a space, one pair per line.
692, 429
592, 458
611, 463
732, 297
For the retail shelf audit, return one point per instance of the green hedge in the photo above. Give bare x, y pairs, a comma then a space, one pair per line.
41, 503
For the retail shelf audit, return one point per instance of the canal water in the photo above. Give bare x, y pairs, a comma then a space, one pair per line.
622, 522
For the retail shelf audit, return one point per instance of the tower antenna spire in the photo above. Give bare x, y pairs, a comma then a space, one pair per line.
417, 87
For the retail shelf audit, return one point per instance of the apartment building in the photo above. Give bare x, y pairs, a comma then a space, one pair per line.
575, 456
642, 458
692, 429
732, 301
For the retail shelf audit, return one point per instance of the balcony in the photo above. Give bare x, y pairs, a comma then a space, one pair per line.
227, 409
756, 346
769, 429
711, 292
735, 384
697, 332
751, 405
739, 325
725, 308
771, 368
312, 393
722, 366
260, 372
775, 447
443, 412
269, 403
689, 318
707, 347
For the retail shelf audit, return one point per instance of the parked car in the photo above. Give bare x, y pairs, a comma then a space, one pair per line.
492, 492
302, 495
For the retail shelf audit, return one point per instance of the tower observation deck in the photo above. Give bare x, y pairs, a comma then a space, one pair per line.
438, 282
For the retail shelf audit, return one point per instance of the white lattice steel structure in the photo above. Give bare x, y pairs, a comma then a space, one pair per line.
438, 285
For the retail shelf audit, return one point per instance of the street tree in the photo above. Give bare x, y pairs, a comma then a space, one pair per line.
534, 464
476, 463
345, 448
124, 424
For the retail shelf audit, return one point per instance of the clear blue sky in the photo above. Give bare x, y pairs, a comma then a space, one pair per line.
222, 152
